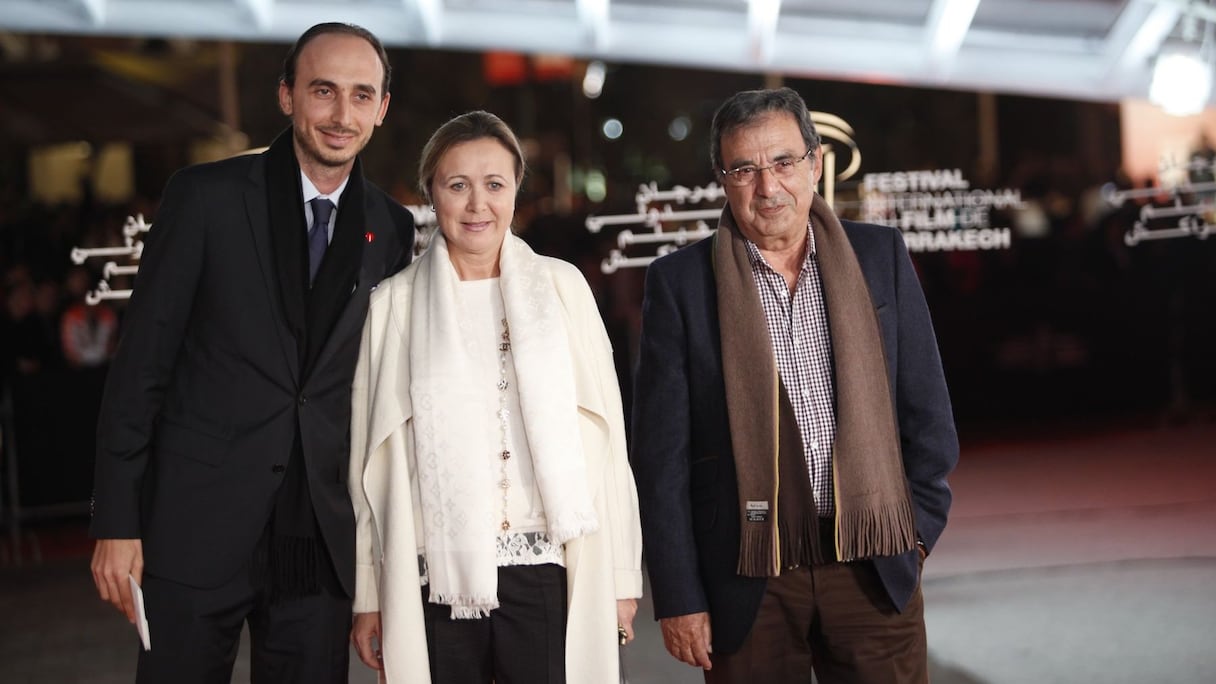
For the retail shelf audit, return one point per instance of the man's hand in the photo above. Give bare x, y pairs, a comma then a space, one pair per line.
113, 561
687, 637
365, 635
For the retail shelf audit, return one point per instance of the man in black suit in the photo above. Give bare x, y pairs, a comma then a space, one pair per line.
223, 436
792, 432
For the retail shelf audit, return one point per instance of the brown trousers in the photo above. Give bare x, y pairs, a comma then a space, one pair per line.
835, 619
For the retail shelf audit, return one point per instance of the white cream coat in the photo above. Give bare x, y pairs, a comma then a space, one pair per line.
601, 567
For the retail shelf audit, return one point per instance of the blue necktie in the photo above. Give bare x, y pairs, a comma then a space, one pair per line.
318, 235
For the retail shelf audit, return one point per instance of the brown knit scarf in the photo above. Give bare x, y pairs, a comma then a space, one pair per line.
873, 510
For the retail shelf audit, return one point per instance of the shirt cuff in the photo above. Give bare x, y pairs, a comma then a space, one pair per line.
628, 584
367, 596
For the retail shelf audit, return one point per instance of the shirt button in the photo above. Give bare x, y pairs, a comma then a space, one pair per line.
277, 468
815, 444
806, 393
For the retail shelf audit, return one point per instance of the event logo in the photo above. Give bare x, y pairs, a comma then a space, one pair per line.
937, 210
832, 128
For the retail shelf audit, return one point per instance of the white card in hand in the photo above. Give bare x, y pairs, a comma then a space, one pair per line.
141, 617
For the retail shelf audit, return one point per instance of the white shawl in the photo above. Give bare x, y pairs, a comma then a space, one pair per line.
456, 484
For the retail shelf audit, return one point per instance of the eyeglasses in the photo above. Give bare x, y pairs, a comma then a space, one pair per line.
746, 175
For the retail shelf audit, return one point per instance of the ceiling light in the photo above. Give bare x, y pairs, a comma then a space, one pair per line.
762, 27
948, 25
1182, 81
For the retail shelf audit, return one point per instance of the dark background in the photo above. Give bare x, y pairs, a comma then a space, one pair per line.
1070, 326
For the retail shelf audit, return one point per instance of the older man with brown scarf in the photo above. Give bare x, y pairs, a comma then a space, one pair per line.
792, 430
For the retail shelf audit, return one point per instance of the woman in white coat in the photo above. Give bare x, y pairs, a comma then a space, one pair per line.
498, 535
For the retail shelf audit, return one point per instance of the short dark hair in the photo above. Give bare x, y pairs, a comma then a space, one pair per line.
746, 106
293, 55
467, 127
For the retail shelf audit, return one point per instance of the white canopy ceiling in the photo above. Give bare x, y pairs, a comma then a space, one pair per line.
1087, 49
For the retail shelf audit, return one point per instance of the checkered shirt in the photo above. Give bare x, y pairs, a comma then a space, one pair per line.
798, 327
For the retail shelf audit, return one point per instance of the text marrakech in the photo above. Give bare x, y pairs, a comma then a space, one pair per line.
968, 239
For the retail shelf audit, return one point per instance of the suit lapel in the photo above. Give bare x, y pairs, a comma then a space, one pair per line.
259, 226
288, 237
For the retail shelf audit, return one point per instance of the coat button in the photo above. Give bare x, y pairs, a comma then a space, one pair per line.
277, 468
302, 400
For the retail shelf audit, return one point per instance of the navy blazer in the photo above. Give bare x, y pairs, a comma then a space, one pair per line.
681, 448
208, 392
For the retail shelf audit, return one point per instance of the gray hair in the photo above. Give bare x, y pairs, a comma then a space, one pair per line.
743, 108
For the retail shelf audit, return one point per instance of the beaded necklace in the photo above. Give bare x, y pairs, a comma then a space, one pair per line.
504, 416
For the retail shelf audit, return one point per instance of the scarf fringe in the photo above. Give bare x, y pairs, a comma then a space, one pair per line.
293, 567
758, 553
800, 540
467, 607
871, 532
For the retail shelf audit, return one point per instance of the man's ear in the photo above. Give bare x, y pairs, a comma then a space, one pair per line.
383, 109
818, 173
285, 103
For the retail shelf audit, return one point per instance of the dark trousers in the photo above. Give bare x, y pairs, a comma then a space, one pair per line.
195, 632
523, 641
835, 619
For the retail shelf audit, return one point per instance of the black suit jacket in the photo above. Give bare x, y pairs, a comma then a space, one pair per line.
681, 450
210, 388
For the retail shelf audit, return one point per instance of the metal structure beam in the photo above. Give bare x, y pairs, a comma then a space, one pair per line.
1103, 53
